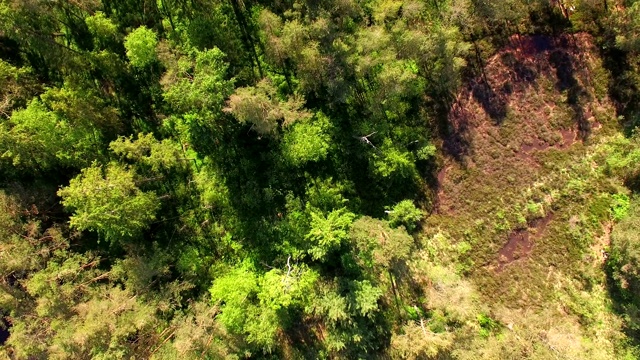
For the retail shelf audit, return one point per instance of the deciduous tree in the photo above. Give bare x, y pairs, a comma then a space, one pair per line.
261, 106
141, 47
108, 201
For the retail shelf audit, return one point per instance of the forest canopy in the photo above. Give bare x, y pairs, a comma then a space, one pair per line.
335, 179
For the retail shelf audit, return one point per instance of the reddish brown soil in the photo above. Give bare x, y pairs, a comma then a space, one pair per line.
537, 145
519, 245
568, 139
520, 242
441, 175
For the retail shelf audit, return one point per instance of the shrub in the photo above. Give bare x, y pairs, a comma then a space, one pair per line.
405, 213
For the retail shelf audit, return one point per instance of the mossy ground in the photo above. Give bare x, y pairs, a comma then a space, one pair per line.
521, 187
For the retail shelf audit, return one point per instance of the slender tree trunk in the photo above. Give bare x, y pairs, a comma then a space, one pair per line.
246, 34
395, 292
168, 12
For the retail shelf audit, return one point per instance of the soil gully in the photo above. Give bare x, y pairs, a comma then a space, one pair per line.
518, 246
521, 241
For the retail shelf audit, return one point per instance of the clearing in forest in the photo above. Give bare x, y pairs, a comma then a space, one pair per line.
521, 189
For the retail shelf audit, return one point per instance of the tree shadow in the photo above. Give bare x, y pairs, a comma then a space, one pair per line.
563, 63
454, 128
304, 335
622, 89
549, 19
521, 63
520, 73
493, 103
406, 281
4, 331
622, 304
10, 51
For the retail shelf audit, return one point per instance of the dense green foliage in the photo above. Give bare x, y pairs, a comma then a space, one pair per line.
208, 179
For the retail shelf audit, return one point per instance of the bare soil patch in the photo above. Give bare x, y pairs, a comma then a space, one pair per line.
521, 242
568, 138
518, 246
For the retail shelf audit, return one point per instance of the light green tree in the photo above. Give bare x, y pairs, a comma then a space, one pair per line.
104, 31
195, 88
109, 202
250, 302
146, 150
141, 47
326, 194
378, 245
406, 214
16, 86
328, 232
83, 108
307, 140
235, 291
394, 163
365, 297
38, 139
196, 83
